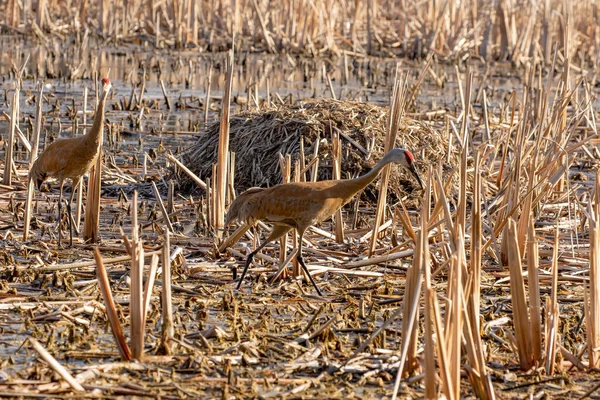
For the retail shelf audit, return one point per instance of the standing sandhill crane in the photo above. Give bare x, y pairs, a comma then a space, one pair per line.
71, 158
302, 204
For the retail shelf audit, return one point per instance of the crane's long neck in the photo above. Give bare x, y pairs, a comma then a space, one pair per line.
352, 186
95, 134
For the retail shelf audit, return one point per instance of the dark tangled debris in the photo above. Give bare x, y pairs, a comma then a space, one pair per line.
259, 137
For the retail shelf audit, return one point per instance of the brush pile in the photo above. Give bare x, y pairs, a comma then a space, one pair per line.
258, 138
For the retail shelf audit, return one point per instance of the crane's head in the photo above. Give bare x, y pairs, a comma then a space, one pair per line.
106, 85
406, 159
37, 175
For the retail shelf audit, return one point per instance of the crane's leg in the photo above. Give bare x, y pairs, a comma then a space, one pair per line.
277, 232
74, 185
60, 213
301, 261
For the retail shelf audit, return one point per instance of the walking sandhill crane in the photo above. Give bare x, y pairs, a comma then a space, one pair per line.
302, 204
71, 158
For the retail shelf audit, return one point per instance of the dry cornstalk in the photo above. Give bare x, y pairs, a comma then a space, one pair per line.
508, 134
405, 221
296, 271
553, 313
410, 330
480, 379
382, 227
285, 166
103, 17
136, 302
474, 295
111, 312
134, 223
34, 150
337, 174
231, 178
533, 282
83, 264
519, 299
330, 86
379, 259
411, 303
14, 121
417, 85
165, 95
91, 224
161, 205
221, 174
445, 375
397, 111
284, 264
80, 186
315, 169
150, 284
264, 30
193, 176
234, 237
423, 261
207, 98
461, 212
593, 290
454, 320
56, 366
302, 159
168, 329
171, 197
213, 200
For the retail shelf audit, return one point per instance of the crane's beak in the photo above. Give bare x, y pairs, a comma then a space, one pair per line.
414, 172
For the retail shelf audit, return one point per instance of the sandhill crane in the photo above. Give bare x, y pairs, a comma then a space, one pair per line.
302, 204
71, 158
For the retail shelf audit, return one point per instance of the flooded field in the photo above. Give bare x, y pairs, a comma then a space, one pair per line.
508, 154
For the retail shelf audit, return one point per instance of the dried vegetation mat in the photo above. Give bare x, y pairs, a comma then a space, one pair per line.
260, 138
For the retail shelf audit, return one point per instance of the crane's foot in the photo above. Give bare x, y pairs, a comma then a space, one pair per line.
58, 223
60, 244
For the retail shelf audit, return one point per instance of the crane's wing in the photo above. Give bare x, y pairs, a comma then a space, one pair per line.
56, 157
